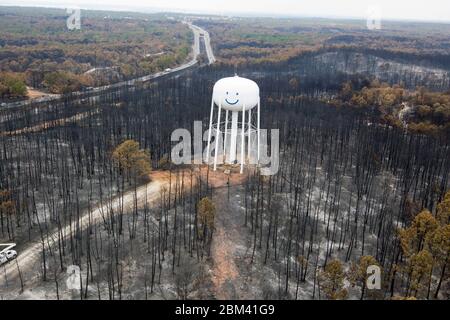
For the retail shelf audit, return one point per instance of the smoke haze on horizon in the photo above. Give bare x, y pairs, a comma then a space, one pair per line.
431, 10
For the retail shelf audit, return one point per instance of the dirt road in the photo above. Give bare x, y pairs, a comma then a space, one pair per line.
229, 248
31, 254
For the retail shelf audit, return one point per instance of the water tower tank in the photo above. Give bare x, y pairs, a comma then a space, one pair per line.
233, 93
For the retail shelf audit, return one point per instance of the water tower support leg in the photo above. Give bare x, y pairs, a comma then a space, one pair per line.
225, 137
249, 132
217, 137
258, 128
243, 139
209, 131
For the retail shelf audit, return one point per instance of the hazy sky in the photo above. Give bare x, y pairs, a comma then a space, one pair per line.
391, 9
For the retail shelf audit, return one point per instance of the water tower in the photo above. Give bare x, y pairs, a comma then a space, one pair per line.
238, 96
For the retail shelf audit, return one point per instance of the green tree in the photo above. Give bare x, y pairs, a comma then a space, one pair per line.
332, 281
439, 241
412, 239
443, 209
420, 266
135, 162
7, 210
65, 81
206, 213
439, 244
132, 159
426, 244
12, 85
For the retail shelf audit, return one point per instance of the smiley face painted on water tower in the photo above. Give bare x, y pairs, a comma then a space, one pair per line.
234, 93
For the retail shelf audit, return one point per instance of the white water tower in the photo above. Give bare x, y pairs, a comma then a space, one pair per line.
238, 96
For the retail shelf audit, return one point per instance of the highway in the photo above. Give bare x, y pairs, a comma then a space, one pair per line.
198, 34
206, 38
